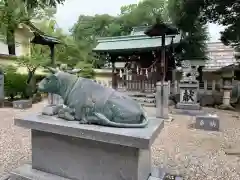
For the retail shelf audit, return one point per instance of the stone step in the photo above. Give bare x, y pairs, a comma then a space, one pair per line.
139, 94
145, 100
148, 104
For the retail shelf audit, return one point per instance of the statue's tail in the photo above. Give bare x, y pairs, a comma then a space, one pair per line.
107, 122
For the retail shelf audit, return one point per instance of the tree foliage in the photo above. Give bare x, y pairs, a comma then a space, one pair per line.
194, 32
223, 12
193, 46
14, 12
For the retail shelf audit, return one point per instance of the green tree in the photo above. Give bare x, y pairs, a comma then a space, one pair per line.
14, 12
32, 62
192, 46
226, 13
32, 4
87, 70
194, 32
70, 51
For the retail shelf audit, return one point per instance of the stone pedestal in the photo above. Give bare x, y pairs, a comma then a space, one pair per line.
188, 97
162, 98
69, 150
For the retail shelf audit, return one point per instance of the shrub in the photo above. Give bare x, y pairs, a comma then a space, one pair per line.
87, 70
15, 85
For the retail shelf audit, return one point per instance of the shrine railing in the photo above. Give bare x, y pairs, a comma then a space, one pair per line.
206, 86
148, 85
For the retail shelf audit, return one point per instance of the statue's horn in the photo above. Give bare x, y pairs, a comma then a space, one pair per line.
52, 70
74, 71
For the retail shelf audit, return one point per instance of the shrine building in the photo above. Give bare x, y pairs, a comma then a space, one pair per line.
141, 55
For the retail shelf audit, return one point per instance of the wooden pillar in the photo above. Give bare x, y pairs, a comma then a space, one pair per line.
205, 85
114, 76
52, 54
213, 85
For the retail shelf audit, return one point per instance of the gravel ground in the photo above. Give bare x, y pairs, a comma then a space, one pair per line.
195, 154
15, 147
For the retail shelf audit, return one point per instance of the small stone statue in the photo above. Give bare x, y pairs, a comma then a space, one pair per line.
91, 103
189, 73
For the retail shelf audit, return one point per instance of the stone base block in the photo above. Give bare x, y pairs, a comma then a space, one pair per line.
188, 106
82, 159
168, 119
189, 112
207, 122
226, 107
22, 104
90, 152
26, 172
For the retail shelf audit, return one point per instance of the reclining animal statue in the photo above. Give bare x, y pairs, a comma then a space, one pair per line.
91, 103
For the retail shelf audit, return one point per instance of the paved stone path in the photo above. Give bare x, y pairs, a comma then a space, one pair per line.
196, 154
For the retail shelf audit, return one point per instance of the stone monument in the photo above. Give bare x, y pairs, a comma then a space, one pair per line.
188, 90
64, 149
209, 122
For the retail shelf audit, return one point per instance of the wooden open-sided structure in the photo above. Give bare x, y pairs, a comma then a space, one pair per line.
43, 39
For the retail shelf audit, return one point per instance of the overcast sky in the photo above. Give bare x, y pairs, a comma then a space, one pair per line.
68, 13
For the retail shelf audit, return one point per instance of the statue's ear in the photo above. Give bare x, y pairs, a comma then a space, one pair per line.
74, 71
52, 70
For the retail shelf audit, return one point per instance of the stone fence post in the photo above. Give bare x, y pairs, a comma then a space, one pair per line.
162, 96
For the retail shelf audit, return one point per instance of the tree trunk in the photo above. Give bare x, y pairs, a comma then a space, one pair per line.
30, 87
30, 75
10, 31
11, 41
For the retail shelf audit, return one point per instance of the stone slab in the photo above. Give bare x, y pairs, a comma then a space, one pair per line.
209, 123
188, 106
5, 176
22, 104
141, 138
26, 172
84, 159
160, 174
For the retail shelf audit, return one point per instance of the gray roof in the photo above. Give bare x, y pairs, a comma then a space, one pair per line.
137, 40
